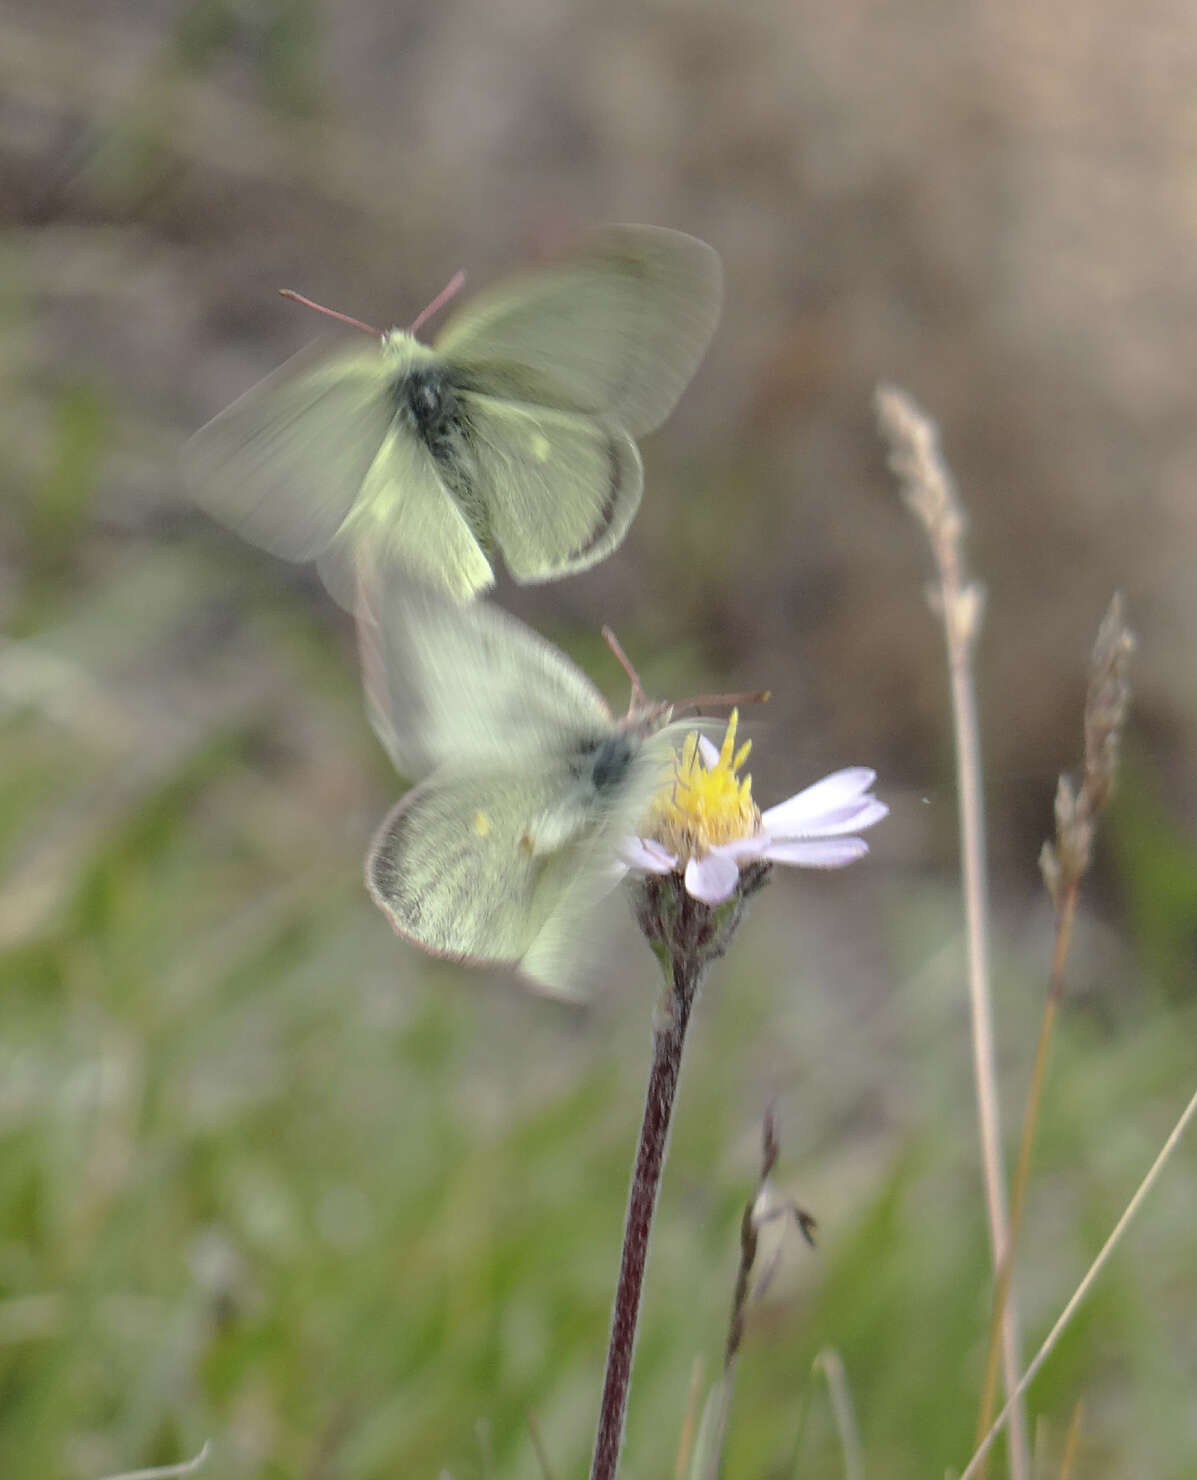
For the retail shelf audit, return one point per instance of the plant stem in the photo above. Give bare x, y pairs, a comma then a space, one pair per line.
1065, 916
931, 496
669, 1036
1188, 1115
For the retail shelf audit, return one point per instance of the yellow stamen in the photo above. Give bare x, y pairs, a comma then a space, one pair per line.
702, 807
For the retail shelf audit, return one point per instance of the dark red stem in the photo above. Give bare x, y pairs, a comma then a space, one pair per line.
669, 1036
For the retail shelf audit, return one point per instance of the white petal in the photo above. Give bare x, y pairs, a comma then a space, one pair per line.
818, 852
709, 752
741, 848
872, 812
647, 854
855, 817
712, 878
826, 805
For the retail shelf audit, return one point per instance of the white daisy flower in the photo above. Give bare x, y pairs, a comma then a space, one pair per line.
706, 825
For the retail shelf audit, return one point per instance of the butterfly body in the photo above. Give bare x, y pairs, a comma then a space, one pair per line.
512, 432
422, 391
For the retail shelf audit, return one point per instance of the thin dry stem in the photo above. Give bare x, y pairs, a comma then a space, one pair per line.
1072, 1443
1107, 705
1001, 1289
828, 1361
542, 1454
749, 1226
167, 1472
972, 1469
928, 492
757, 1212
685, 1443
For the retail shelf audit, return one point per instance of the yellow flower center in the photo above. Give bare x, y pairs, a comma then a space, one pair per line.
702, 807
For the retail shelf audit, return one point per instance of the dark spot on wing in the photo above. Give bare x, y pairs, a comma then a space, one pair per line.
610, 500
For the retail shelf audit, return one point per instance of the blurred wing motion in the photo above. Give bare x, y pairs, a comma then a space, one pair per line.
466, 686
514, 432
500, 852
404, 518
616, 331
284, 465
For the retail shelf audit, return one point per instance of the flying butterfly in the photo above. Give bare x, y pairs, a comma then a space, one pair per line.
526, 782
513, 431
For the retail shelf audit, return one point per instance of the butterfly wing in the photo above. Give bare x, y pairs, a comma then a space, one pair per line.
464, 685
560, 488
313, 463
405, 524
501, 868
284, 464
558, 369
616, 331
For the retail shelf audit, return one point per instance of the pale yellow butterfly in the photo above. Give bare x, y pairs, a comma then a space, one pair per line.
527, 784
513, 431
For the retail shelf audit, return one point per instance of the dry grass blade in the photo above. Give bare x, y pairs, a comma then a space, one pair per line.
928, 492
1072, 1443
973, 1468
542, 1454
1064, 865
685, 1443
165, 1472
760, 1210
829, 1363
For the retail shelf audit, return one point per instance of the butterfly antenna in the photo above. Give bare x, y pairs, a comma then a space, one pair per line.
450, 290
329, 313
706, 701
638, 699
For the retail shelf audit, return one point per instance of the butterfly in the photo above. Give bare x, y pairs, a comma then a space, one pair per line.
512, 432
526, 782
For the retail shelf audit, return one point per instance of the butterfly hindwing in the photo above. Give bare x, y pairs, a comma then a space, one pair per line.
461, 866
560, 489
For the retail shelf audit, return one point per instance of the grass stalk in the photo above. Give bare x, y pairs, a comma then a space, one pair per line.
928, 492
972, 1469
1064, 865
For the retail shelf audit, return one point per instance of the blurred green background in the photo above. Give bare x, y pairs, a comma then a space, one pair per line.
268, 1178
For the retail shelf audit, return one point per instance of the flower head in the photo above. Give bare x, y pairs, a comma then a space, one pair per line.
706, 825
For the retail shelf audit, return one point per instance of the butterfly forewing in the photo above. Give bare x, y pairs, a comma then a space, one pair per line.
452, 685
617, 331
283, 465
